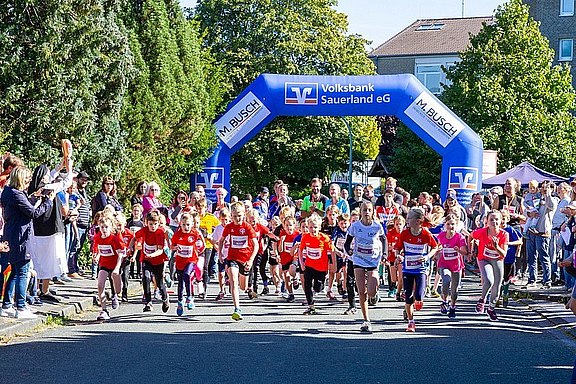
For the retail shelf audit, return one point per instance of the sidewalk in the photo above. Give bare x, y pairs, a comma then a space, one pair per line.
77, 296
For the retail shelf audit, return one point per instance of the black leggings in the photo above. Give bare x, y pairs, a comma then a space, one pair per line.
156, 271
313, 277
259, 266
350, 284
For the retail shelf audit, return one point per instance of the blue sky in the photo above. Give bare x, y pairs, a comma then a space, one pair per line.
379, 20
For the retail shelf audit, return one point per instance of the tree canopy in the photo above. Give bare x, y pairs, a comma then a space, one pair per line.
289, 37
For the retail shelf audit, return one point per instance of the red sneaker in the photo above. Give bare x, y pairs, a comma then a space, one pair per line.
418, 305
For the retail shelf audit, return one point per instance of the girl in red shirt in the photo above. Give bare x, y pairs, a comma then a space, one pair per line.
316, 246
188, 243
492, 247
287, 236
393, 236
241, 254
127, 236
107, 249
150, 242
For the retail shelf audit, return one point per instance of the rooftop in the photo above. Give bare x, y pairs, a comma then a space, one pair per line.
432, 36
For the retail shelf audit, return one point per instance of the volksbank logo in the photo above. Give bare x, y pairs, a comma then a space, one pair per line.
301, 93
210, 178
463, 178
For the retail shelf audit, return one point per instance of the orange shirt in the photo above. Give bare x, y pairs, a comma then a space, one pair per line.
316, 248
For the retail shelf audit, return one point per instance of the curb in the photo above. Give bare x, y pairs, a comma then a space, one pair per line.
558, 317
68, 309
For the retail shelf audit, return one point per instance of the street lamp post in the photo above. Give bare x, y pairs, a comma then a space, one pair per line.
351, 137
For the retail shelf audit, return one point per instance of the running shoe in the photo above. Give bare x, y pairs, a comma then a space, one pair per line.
252, 295
157, 295
331, 296
418, 304
290, 298
180, 309
350, 311
202, 296
220, 296
452, 313
366, 327
391, 293
103, 315
405, 314
480, 306
492, 314
168, 280
237, 315
190, 303
310, 311
165, 306
435, 294
124, 299
147, 307
505, 301
373, 300
265, 291
444, 308
115, 302
295, 284
411, 327
340, 289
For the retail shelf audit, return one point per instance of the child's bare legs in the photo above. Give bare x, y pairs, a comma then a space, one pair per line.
233, 279
102, 277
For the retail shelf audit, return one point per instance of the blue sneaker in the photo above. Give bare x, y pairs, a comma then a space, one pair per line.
179, 309
190, 303
444, 308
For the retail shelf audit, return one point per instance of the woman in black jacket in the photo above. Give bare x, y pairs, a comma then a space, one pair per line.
18, 214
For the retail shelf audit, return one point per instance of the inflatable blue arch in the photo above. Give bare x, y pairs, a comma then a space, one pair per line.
298, 95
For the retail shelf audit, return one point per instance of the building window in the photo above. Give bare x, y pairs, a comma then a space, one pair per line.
430, 27
430, 76
566, 50
566, 7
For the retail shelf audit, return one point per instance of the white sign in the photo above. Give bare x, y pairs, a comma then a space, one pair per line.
434, 118
241, 119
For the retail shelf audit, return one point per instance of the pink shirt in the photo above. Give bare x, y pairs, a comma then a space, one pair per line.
449, 257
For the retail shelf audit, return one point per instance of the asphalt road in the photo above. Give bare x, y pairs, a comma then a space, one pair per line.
275, 343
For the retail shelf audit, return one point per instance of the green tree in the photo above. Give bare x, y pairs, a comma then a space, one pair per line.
291, 37
172, 100
507, 90
64, 68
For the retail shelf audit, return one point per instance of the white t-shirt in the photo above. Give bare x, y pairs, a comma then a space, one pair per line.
217, 235
367, 244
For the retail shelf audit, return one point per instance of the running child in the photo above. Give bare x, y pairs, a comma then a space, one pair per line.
329, 225
394, 264
150, 242
287, 236
135, 223
224, 217
492, 247
416, 246
370, 248
241, 254
188, 244
315, 245
127, 236
107, 248
513, 253
451, 263
338, 239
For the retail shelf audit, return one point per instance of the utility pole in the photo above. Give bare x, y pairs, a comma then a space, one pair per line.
462, 8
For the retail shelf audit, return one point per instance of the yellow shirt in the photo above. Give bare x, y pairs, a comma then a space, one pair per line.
207, 224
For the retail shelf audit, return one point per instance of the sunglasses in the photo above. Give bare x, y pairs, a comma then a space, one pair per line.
108, 183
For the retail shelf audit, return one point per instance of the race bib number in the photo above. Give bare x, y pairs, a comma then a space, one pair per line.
491, 253
449, 254
185, 251
239, 242
340, 243
313, 253
105, 250
148, 249
413, 262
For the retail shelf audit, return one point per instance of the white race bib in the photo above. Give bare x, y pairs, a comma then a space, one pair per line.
185, 250
105, 250
313, 253
239, 242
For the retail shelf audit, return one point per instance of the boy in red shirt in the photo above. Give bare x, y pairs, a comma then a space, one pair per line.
188, 243
107, 249
241, 254
316, 246
287, 236
150, 242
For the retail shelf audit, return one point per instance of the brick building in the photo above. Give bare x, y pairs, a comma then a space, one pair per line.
558, 24
426, 45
